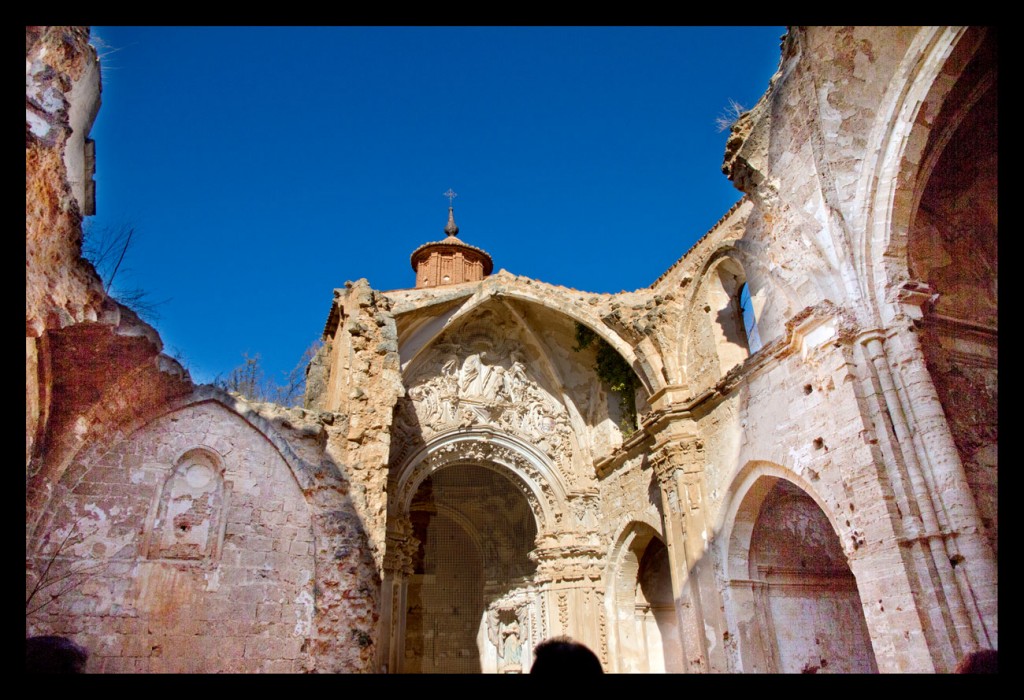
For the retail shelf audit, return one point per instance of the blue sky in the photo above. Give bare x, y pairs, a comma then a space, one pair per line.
262, 167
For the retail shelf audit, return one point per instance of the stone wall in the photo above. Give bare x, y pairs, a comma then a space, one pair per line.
198, 532
60, 288
240, 600
834, 160
361, 390
953, 256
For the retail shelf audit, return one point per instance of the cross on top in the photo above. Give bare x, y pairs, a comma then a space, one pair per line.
450, 195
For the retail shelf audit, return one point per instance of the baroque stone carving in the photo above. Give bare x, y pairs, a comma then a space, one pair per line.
541, 621
480, 452
481, 381
602, 624
508, 629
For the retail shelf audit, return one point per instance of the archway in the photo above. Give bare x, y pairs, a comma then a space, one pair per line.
724, 285
465, 514
805, 596
646, 625
930, 260
474, 531
792, 600
952, 252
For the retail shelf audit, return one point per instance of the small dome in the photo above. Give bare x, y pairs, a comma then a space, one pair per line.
450, 261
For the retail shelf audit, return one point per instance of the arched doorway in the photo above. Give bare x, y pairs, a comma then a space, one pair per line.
805, 596
468, 592
647, 629
654, 592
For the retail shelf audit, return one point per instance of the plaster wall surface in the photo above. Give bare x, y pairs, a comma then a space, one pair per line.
244, 604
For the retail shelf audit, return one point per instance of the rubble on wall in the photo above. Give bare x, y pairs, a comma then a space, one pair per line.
365, 384
60, 286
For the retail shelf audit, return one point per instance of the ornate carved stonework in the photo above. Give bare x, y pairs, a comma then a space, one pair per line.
401, 546
480, 452
681, 455
542, 617
509, 629
586, 508
569, 556
482, 381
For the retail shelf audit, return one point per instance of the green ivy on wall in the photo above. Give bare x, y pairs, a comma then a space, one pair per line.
613, 370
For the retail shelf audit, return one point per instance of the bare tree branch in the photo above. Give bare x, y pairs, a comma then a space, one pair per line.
107, 248
73, 577
249, 380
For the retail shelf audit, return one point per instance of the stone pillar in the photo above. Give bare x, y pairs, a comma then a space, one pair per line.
388, 613
401, 546
937, 515
570, 578
678, 461
941, 484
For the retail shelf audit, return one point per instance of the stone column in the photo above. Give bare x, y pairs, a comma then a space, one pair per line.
401, 546
947, 503
569, 576
938, 518
678, 461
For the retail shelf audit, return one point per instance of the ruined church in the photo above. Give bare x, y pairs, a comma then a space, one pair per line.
780, 457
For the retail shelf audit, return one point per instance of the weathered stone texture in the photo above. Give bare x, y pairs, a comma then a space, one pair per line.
61, 288
630, 495
364, 386
833, 464
254, 595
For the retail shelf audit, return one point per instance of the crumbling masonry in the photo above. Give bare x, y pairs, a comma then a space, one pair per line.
809, 486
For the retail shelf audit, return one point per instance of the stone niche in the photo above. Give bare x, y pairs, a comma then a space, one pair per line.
189, 521
807, 600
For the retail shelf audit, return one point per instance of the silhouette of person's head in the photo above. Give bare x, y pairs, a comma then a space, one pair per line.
980, 661
52, 654
564, 655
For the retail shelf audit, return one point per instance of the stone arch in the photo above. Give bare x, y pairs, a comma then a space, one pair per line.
639, 603
508, 364
343, 571
554, 299
528, 468
189, 509
110, 424
952, 262
473, 557
891, 190
930, 261
784, 560
715, 302
115, 432
121, 398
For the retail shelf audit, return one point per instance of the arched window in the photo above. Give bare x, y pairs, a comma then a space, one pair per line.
733, 311
749, 319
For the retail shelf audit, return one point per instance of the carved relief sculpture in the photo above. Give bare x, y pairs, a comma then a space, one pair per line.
481, 382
